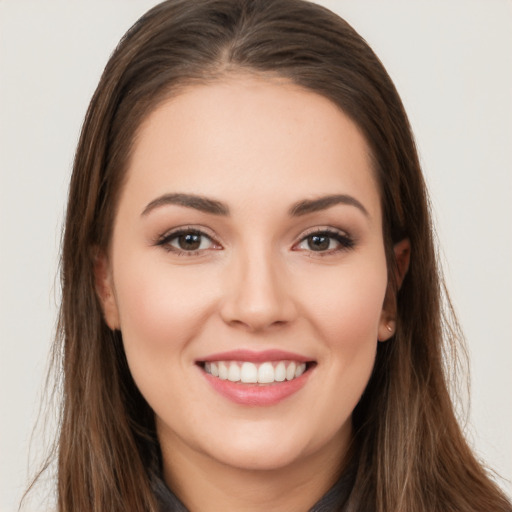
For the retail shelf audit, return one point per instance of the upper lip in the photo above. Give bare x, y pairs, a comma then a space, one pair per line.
255, 356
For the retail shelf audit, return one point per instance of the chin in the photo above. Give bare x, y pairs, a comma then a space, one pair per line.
264, 449
258, 458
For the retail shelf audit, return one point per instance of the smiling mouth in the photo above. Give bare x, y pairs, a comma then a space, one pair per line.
263, 373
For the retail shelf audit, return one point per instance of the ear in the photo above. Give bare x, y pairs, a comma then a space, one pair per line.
105, 289
387, 324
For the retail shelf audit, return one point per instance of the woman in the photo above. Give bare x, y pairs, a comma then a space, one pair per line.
251, 311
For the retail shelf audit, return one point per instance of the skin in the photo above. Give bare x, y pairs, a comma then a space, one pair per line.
259, 146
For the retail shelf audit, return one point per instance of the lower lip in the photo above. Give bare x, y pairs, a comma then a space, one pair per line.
254, 394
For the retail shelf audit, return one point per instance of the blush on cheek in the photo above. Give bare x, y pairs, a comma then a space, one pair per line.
157, 320
351, 311
157, 302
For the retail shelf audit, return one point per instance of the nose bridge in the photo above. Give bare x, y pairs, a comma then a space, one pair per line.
257, 296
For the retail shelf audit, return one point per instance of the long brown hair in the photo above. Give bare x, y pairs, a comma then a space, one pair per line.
411, 453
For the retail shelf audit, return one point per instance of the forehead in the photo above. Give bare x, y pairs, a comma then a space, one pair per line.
255, 136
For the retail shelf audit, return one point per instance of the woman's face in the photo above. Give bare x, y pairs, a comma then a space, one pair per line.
247, 273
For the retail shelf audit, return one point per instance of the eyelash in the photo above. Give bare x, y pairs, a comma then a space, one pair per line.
344, 241
166, 239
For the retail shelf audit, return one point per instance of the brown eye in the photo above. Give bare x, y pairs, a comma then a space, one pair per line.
319, 242
326, 242
188, 241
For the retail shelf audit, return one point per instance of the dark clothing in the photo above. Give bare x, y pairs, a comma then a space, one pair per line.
333, 501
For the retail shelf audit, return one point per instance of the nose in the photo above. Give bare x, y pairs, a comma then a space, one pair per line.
258, 294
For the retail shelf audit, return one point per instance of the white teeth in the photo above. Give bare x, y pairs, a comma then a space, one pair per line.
266, 373
300, 370
252, 373
249, 373
280, 372
234, 372
290, 371
223, 370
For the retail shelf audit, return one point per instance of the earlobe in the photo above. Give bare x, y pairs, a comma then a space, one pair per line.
387, 328
387, 325
105, 289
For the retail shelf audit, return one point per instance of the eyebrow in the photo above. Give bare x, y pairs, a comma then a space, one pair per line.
214, 207
322, 203
201, 203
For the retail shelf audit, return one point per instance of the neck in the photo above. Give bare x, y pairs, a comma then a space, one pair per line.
207, 485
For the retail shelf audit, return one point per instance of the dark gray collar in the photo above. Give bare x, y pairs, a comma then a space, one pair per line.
334, 500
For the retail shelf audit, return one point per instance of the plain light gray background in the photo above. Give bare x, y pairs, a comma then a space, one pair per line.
451, 60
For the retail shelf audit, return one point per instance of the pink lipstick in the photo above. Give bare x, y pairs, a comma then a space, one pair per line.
256, 378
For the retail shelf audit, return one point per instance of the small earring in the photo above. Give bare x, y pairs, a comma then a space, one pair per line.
391, 326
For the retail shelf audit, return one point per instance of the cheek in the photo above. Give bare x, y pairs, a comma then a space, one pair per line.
346, 311
348, 317
347, 305
160, 307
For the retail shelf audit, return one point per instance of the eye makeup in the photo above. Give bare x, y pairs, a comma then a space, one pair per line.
187, 241
192, 241
325, 241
